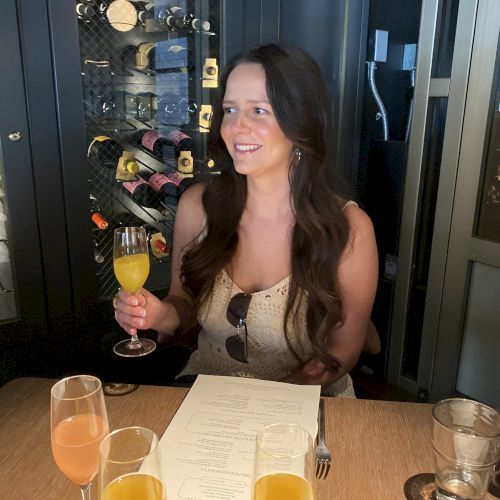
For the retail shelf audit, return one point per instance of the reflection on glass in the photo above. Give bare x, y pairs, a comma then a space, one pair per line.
7, 298
488, 222
142, 70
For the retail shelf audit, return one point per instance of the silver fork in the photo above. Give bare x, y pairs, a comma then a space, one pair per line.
323, 455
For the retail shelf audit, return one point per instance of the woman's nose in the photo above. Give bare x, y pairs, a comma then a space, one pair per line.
240, 122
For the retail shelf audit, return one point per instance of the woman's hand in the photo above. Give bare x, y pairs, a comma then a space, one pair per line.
140, 311
314, 372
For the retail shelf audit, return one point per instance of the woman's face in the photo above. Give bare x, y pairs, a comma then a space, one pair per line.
249, 128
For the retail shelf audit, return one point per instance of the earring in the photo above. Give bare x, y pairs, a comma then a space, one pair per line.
297, 154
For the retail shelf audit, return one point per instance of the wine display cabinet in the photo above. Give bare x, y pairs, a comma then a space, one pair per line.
148, 73
89, 86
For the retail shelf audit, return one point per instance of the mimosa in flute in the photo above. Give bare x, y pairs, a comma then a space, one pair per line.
131, 266
79, 423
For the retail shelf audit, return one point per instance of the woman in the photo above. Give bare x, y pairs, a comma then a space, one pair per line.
277, 268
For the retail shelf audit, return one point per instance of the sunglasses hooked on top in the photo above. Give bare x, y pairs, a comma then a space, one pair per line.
236, 314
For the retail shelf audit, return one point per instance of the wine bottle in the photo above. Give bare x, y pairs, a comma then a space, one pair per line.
169, 142
96, 216
181, 181
162, 184
84, 12
127, 167
144, 11
158, 245
178, 19
105, 150
145, 55
141, 192
147, 106
98, 255
122, 15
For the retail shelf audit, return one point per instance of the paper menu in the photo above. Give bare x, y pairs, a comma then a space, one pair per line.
207, 449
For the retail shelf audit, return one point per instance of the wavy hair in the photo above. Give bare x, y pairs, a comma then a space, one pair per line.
299, 100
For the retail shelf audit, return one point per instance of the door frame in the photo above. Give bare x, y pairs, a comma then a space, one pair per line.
444, 328
427, 87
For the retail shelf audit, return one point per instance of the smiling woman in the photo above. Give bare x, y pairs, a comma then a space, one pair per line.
249, 128
277, 267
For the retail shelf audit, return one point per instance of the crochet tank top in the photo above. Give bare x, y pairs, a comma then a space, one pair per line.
269, 356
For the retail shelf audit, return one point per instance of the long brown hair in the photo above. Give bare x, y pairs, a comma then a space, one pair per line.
299, 99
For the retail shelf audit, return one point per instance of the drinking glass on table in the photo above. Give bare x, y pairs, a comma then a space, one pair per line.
129, 466
284, 463
131, 266
466, 442
78, 422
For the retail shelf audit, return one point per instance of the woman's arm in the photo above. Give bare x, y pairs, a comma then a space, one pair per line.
357, 279
145, 310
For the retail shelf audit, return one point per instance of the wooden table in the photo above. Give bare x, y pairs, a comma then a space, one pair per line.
376, 445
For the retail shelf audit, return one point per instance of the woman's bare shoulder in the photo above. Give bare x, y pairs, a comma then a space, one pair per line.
190, 211
357, 218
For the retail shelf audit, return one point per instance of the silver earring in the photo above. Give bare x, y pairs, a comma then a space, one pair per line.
297, 154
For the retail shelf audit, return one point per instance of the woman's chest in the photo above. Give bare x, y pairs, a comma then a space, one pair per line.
262, 257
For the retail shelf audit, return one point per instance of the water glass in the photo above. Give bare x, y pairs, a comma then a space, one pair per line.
466, 442
284, 463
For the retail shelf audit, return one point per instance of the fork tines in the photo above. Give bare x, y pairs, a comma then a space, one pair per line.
323, 455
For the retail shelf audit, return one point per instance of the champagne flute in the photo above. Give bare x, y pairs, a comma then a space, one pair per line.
129, 465
131, 266
284, 463
78, 422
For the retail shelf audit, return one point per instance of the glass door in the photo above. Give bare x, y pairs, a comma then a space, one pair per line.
22, 296
148, 71
467, 346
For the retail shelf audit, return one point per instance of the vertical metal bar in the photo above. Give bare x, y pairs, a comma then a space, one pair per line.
446, 189
427, 32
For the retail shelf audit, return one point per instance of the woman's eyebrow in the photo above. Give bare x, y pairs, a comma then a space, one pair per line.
257, 101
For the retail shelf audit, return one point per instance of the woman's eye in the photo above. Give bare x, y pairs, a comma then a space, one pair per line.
228, 110
260, 111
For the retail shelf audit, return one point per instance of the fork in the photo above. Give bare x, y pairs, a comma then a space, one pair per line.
323, 455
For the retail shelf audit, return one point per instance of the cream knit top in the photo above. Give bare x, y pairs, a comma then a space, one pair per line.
269, 356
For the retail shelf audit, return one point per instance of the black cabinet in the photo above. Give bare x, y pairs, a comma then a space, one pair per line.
70, 78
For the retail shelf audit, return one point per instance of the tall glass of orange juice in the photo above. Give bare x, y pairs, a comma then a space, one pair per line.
131, 266
284, 463
79, 422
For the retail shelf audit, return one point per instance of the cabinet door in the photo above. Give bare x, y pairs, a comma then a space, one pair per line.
135, 82
22, 295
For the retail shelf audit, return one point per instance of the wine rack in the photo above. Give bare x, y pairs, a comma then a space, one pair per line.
145, 69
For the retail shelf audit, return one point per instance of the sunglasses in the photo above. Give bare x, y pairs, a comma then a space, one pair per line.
236, 314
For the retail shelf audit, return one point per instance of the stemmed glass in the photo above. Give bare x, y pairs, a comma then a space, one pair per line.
78, 422
130, 465
131, 266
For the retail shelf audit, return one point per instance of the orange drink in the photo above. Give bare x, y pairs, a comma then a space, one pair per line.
282, 486
75, 446
131, 271
134, 487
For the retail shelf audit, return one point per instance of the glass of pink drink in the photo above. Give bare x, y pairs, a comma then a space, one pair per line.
79, 422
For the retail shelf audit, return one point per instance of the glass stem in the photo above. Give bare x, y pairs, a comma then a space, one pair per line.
134, 339
85, 489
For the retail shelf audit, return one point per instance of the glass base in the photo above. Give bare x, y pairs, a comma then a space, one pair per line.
420, 487
129, 349
116, 389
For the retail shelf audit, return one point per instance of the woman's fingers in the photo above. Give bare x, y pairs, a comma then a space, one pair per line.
130, 311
